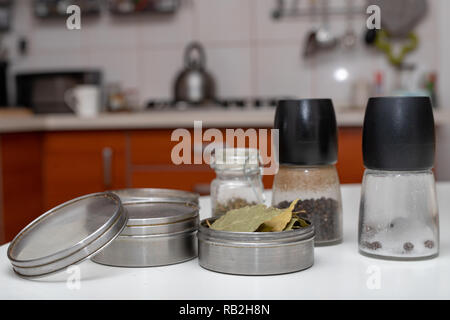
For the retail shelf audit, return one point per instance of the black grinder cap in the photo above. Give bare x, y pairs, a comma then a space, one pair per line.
307, 132
398, 134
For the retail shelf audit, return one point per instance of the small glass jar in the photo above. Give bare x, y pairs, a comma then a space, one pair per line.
318, 189
238, 181
398, 217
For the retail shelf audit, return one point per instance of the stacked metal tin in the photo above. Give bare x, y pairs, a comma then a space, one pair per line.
151, 227
161, 229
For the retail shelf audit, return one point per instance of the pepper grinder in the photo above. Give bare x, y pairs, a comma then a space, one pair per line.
307, 155
398, 216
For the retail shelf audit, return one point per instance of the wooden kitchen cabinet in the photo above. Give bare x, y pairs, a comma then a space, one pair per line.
350, 164
42, 170
151, 163
175, 177
78, 163
20, 182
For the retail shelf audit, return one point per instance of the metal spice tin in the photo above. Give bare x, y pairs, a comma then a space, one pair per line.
255, 253
161, 229
67, 234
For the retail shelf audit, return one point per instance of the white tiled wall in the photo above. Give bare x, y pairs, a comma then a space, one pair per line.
247, 51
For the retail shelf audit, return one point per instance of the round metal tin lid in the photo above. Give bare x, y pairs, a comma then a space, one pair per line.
154, 194
67, 234
158, 213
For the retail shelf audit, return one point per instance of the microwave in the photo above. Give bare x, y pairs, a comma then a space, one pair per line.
43, 92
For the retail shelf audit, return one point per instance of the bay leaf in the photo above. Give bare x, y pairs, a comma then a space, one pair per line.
303, 223
296, 223
247, 219
291, 223
279, 222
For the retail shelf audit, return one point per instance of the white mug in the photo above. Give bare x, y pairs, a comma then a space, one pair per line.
84, 100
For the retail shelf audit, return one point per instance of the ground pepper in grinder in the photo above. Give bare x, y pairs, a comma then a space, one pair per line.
398, 216
307, 154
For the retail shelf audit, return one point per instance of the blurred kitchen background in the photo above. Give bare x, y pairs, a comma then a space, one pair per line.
158, 65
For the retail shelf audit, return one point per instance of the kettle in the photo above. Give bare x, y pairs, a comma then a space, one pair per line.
194, 85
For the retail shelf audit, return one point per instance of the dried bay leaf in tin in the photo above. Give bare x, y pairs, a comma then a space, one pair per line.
259, 218
296, 223
247, 219
290, 225
279, 222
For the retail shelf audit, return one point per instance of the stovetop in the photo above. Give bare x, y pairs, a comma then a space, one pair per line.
231, 103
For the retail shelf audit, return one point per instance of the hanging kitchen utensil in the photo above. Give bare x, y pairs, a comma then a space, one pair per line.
382, 42
194, 84
349, 39
322, 38
370, 36
400, 17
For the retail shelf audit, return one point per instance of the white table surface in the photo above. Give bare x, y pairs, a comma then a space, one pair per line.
339, 272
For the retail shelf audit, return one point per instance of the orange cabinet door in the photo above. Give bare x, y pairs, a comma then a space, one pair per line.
151, 164
20, 182
195, 178
350, 160
78, 163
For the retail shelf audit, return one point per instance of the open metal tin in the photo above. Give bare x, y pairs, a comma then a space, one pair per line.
161, 229
67, 234
255, 253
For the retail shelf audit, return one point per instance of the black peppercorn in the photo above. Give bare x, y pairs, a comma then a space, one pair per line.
429, 244
408, 246
372, 245
323, 212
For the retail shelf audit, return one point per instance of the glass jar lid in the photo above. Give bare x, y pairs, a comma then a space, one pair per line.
236, 159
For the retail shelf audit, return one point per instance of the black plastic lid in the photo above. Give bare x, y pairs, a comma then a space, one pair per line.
399, 134
308, 132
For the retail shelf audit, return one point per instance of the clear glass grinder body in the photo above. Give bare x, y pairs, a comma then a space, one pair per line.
307, 155
319, 192
398, 217
399, 214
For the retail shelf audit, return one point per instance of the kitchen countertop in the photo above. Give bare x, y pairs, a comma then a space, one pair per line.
212, 118
217, 118
339, 272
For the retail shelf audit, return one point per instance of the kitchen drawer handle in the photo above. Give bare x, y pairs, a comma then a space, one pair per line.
107, 167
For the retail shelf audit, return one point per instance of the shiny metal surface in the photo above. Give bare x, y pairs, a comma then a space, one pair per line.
160, 218
67, 234
255, 253
157, 233
149, 251
155, 194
